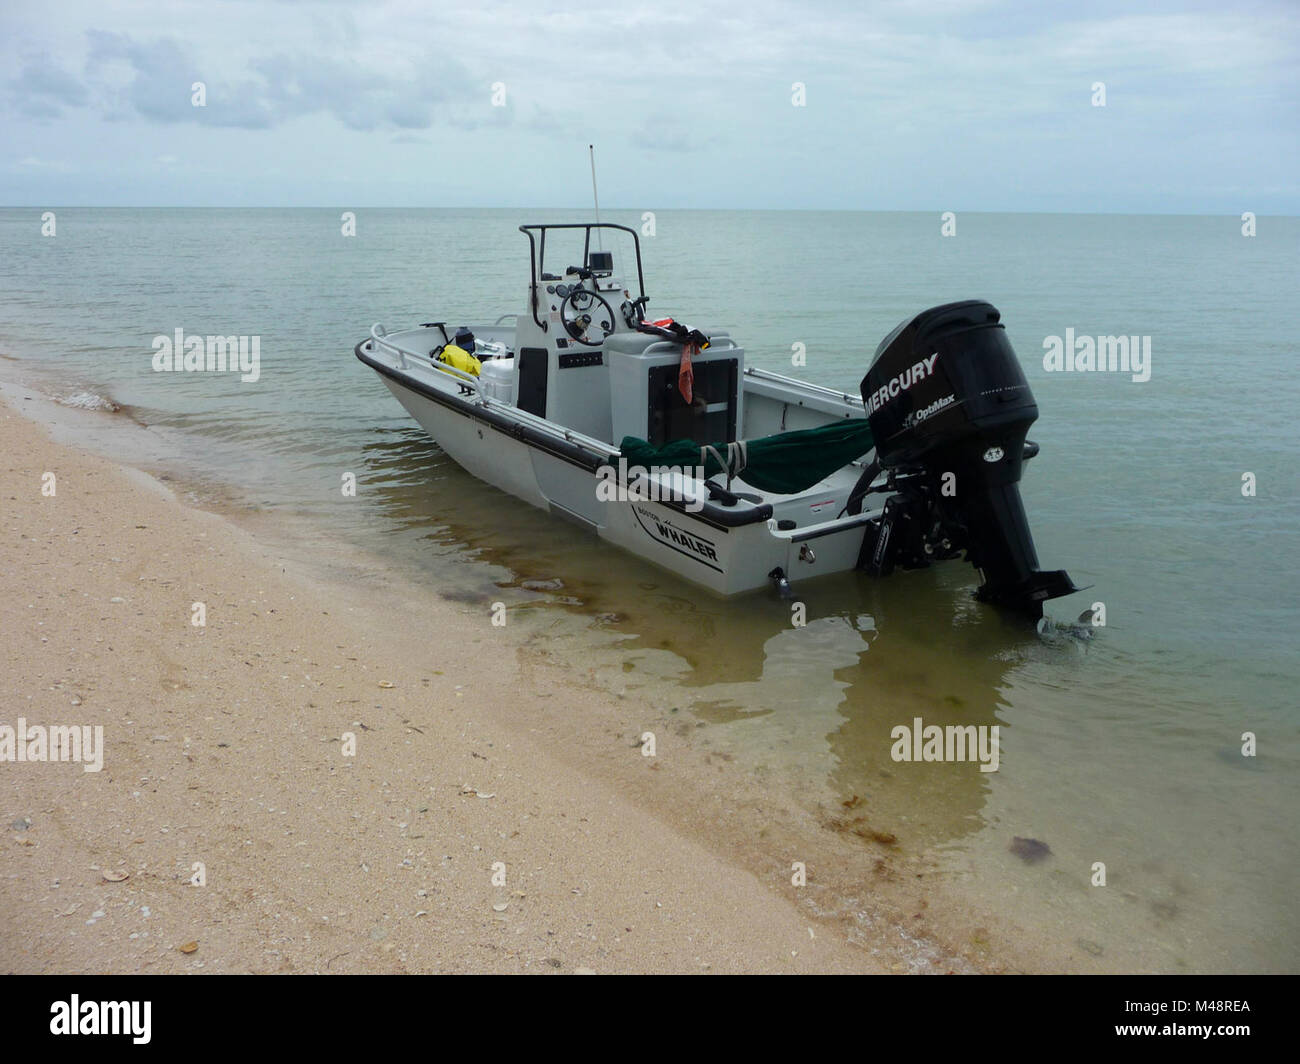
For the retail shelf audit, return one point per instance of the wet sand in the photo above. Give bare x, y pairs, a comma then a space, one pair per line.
479, 752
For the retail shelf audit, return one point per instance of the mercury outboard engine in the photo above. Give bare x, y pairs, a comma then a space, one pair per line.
949, 408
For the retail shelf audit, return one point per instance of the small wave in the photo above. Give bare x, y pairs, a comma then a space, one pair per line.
88, 401
1062, 633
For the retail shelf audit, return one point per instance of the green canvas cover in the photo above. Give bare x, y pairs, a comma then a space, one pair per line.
785, 464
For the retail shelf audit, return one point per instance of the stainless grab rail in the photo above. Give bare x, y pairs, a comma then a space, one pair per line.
808, 386
673, 345
590, 443
377, 334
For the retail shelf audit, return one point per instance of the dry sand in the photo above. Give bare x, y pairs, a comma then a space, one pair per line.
223, 747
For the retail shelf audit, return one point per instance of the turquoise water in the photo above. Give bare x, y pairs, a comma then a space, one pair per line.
1122, 748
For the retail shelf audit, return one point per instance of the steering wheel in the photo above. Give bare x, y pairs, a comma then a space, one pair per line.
576, 312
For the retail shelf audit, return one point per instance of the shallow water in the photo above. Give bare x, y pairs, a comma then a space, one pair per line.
1119, 744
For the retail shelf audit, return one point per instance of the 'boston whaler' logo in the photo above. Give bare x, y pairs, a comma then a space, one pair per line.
691, 544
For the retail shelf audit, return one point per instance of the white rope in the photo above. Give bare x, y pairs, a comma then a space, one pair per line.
738, 452
709, 449
737, 458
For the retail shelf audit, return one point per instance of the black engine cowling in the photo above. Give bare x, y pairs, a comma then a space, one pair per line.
949, 408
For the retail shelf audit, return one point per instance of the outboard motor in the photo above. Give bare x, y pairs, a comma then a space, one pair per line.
949, 408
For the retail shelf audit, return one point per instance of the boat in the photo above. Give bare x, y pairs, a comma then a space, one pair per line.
657, 437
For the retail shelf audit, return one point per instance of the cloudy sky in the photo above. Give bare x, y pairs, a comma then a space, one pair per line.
925, 105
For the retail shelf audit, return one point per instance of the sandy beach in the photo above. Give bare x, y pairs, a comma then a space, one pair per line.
497, 813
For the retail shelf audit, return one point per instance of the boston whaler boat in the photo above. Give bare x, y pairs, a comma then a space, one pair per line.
658, 437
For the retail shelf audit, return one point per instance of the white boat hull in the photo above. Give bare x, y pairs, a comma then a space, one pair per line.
726, 559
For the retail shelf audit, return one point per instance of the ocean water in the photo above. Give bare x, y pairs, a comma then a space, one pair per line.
1120, 744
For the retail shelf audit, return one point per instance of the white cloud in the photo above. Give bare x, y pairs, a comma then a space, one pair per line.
909, 104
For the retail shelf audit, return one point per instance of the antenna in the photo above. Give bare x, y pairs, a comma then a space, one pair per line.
591, 148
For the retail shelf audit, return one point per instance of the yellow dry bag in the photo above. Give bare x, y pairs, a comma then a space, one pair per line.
459, 358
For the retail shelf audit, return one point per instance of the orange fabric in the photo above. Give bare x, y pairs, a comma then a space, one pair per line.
685, 377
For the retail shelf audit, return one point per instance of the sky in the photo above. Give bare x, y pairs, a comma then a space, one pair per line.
753, 104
